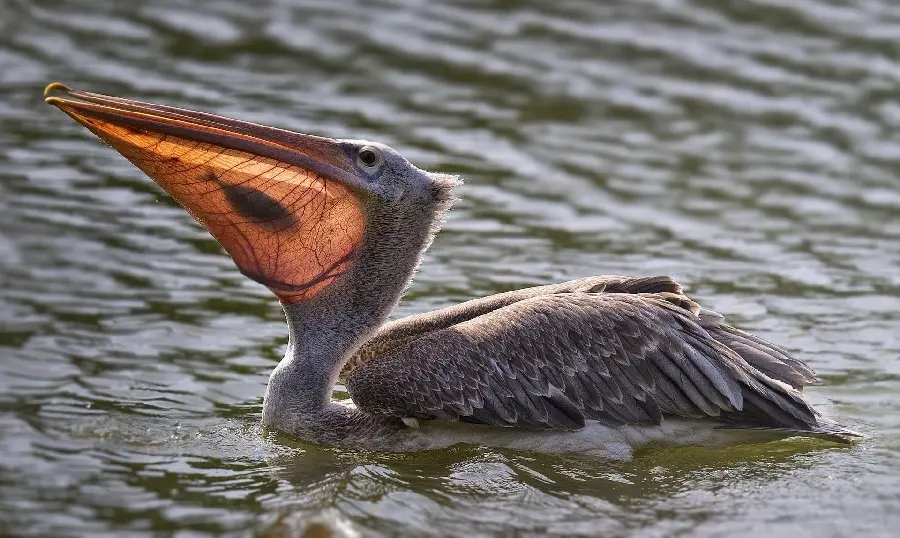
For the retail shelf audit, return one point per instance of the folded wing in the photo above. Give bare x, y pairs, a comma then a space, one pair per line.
604, 351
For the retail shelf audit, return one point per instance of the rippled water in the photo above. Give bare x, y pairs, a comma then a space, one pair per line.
748, 149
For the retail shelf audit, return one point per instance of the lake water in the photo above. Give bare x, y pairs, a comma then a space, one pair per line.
750, 149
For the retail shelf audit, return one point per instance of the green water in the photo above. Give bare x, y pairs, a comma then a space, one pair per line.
748, 148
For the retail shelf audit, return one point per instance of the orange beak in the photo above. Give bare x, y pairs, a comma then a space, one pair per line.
284, 205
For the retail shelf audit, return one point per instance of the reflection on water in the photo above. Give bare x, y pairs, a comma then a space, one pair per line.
745, 148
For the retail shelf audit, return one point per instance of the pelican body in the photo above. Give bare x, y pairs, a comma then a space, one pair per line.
336, 229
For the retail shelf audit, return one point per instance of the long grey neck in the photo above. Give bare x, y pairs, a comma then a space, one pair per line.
326, 330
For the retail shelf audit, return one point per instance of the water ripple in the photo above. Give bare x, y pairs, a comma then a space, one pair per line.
744, 147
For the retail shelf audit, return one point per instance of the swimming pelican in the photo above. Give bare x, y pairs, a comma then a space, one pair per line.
336, 229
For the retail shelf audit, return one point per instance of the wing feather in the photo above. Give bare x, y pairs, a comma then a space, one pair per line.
615, 349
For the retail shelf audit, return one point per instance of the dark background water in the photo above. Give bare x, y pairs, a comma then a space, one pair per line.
748, 148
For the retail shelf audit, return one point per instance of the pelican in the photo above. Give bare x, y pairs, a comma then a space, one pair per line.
336, 228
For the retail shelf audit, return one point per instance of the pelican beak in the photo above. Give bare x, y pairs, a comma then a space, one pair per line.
285, 206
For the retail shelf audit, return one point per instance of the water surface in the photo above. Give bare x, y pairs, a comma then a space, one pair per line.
748, 149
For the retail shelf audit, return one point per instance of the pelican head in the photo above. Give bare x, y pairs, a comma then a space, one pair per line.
294, 211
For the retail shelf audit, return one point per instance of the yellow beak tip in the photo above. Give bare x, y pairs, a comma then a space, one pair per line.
53, 86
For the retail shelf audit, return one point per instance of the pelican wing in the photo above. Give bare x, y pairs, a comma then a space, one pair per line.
764, 356
405, 330
552, 358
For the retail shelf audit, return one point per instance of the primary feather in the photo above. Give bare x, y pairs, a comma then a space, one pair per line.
610, 349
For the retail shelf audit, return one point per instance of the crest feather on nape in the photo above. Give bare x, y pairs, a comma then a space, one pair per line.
443, 187
444, 194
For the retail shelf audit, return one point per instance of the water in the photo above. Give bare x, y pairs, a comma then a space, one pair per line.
748, 149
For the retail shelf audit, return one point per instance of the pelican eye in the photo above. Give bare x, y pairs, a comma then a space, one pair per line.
369, 158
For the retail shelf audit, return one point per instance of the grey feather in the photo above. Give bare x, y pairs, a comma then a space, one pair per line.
602, 348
